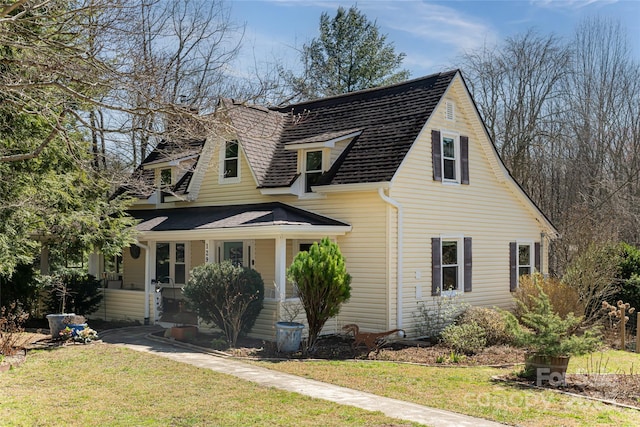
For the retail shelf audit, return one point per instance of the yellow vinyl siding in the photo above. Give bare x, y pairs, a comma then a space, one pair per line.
213, 193
487, 210
365, 251
121, 304
197, 253
133, 275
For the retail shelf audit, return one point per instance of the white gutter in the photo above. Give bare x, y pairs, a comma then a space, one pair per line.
397, 205
147, 281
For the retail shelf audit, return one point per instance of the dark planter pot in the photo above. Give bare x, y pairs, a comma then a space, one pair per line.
288, 336
184, 333
546, 368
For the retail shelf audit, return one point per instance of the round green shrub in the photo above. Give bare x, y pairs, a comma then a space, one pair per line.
228, 295
467, 338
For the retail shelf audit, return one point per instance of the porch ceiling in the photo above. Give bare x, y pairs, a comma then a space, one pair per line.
257, 218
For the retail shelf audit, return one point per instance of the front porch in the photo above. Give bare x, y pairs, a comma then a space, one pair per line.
154, 271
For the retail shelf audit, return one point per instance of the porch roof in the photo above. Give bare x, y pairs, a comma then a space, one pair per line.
266, 217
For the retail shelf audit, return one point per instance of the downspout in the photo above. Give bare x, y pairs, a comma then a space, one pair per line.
399, 266
147, 283
542, 237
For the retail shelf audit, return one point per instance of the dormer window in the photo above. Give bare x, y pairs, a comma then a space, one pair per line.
165, 182
166, 178
230, 162
231, 159
313, 168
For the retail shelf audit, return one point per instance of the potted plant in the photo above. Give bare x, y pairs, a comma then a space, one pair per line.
288, 331
183, 331
549, 339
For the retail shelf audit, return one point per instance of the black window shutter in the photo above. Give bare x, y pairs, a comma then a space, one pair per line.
436, 266
537, 254
436, 154
464, 159
467, 264
513, 266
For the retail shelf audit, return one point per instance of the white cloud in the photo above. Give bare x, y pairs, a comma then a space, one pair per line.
433, 23
569, 4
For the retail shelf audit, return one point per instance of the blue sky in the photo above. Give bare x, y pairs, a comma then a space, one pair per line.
430, 33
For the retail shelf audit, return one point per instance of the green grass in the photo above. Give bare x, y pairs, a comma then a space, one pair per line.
470, 390
98, 385
606, 362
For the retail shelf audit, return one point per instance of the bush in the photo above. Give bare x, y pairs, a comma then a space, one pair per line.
491, 321
593, 275
544, 332
564, 299
466, 338
227, 295
323, 284
23, 286
12, 317
431, 319
73, 291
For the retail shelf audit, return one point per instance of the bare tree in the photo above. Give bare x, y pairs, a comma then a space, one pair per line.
565, 119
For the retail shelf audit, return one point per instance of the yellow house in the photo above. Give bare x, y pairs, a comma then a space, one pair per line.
404, 178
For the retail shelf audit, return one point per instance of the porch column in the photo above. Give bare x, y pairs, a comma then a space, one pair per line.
94, 265
44, 259
281, 267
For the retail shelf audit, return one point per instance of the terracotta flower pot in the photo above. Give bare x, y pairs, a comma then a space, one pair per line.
184, 333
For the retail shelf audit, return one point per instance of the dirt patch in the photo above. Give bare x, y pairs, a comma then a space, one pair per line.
623, 389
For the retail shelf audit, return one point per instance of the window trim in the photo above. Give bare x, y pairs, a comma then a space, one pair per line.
531, 265
173, 262
223, 158
459, 240
456, 159
304, 171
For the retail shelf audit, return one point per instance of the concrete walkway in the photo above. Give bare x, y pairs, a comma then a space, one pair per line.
137, 338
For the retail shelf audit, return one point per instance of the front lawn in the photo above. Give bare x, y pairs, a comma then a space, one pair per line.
471, 391
100, 385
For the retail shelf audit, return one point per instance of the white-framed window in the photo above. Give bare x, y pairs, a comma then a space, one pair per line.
451, 264
166, 179
171, 263
230, 162
450, 157
312, 168
525, 258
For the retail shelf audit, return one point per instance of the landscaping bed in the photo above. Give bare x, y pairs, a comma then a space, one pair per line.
621, 388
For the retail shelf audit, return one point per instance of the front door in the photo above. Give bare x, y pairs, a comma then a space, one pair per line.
239, 252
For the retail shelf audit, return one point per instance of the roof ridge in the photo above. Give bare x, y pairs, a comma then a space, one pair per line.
289, 107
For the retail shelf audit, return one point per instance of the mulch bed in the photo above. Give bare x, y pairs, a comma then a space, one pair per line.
617, 388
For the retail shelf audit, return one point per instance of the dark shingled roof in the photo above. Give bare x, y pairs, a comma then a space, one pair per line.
390, 119
215, 217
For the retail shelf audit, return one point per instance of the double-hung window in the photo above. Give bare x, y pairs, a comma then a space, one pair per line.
171, 267
524, 259
230, 163
450, 155
312, 168
450, 163
451, 264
